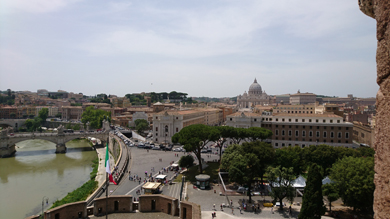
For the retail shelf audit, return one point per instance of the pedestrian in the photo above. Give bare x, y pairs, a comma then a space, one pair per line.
212, 215
232, 211
214, 206
231, 202
289, 210
272, 210
240, 209
221, 208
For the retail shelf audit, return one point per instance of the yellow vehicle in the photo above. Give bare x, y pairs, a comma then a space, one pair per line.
268, 204
152, 188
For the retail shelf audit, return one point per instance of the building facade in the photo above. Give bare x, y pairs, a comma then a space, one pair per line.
302, 98
298, 129
255, 96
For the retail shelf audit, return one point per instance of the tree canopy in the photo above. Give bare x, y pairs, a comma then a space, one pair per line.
95, 117
195, 137
245, 162
354, 178
141, 125
186, 161
280, 179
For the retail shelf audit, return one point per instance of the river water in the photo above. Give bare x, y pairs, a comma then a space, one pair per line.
36, 173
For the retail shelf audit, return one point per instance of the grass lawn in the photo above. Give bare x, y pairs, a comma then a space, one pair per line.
211, 170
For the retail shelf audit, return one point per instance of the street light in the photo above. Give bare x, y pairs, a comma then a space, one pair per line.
47, 202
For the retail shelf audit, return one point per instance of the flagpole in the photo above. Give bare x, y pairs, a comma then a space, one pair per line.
107, 183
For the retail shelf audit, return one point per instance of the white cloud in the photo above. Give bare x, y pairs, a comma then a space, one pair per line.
34, 6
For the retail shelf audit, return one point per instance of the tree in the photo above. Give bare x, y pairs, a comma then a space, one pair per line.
141, 125
280, 180
257, 133
225, 132
312, 203
244, 162
76, 127
95, 117
290, 157
354, 178
43, 114
186, 161
195, 138
323, 155
330, 191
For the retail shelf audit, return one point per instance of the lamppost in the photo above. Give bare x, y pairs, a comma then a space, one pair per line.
47, 202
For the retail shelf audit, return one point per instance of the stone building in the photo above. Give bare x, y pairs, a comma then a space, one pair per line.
72, 112
298, 129
255, 96
302, 98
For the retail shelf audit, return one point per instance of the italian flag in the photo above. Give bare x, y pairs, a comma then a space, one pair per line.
107, 164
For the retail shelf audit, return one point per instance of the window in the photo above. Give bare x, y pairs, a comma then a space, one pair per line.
289, 133
255, 120
339, 134
324, 121
346, 141
303, 126
277, 119
156, 117
156, 129
282, 120
346, 128
231, 119
276, 144
309, 120
177, 117
282, 126
303, 133
296, 120
276, 132
331, 121
303, 146
289, 126
324, 134
296, 133
339, 141
311, 127
347, 135
317, 134
303, 120
316, 120
338, 121
283, 132
289, 120
331, 134
283, 144
324, 127
177, 129
276, 126
310, 133
156, 134
289, 144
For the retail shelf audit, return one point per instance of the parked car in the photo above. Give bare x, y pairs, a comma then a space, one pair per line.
203, 151
177, 149
156, 148
242, 189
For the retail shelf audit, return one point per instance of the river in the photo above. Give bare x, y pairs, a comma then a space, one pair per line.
37, 173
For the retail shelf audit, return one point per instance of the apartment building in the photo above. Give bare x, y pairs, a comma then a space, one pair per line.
72, 112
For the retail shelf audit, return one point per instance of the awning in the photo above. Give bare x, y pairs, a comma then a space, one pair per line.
161, 176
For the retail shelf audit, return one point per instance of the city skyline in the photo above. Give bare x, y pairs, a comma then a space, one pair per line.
212, 49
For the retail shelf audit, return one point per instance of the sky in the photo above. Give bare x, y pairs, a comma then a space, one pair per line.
200, 47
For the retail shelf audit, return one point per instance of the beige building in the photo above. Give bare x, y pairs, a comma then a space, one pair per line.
295, 109
169, 122
298, 129
255, 96
302, 98
363, 133
244, 120
72, 112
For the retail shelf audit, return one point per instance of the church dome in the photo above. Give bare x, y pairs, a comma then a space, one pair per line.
255, 89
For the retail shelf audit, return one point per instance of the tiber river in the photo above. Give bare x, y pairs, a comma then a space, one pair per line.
37, 173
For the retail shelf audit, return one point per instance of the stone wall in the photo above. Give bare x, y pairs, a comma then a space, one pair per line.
191, 210
380, 11
72, 210
115, 204
160, 203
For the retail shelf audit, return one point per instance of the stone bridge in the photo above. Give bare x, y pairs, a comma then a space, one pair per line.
7, 142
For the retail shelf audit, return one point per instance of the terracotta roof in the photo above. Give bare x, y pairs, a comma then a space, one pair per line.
248, 114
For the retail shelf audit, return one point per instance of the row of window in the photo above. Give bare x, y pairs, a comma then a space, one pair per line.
303, 145
292, 112
318, 134
304, 120
311, 127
